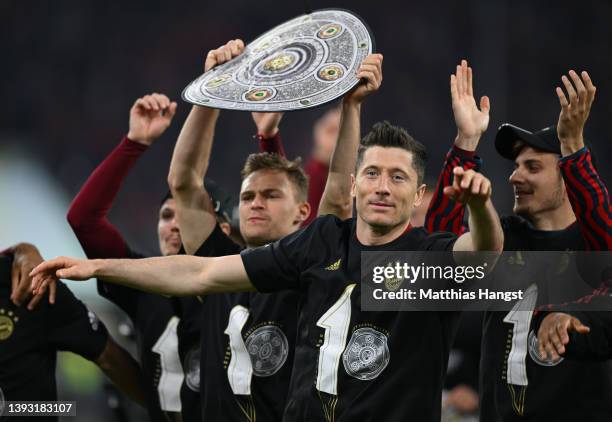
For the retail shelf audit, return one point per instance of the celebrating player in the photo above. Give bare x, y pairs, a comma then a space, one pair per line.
560, 204
30, 339
248, 339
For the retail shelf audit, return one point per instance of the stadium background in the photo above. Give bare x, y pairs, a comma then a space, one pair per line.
71, 70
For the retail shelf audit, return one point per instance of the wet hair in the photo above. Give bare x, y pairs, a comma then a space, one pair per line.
386, 135
276, 162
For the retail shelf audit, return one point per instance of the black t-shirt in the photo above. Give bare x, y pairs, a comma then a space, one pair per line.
353, 365
29, 341
247, 348
156, 335
189, 310
515, 384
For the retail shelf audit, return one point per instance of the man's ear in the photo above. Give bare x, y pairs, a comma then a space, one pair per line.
353, 187
303, 213
419, 195
225, 228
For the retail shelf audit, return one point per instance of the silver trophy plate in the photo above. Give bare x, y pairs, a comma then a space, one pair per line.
305, 62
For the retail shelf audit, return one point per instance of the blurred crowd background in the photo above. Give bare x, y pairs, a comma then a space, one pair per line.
70, 71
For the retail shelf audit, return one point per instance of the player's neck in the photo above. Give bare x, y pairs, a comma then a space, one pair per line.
375, 235
558, 219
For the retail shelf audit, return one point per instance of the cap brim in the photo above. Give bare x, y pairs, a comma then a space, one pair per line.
508, 134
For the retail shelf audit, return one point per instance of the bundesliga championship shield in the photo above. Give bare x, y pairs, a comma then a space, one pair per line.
305, 62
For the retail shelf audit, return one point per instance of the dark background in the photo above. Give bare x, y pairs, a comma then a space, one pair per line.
70, 70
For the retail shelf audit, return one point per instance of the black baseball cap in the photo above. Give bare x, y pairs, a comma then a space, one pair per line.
545, 140
223, 202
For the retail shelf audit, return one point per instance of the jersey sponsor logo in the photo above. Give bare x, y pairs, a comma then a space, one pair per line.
94, 321
535, 354
191, 367
7, 323
335, 266
366, 355
268, 348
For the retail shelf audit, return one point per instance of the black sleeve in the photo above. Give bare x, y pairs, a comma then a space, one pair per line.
72, 327
439, 241
217, 244
277, 266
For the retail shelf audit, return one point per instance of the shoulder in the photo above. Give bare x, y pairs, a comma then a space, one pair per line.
426, 240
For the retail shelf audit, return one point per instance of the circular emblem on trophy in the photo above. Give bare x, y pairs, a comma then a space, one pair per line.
366, 355
535, 354
191, 366
268, 349
305, 62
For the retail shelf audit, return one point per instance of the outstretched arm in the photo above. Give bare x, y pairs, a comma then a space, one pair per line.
337, 194
195, 212
178, 275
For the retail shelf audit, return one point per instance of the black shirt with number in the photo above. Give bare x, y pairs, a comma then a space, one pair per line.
353, 365
246, 350
516, 385
156, 325
29, 341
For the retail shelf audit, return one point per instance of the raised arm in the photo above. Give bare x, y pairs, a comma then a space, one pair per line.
159, 275
444, 214
587, 193
150, 116
195, 212
336, 197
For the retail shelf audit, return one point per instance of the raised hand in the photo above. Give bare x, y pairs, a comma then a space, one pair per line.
150, 116
267, 123
575, 112
26, 258
370, 73
225, 53
471, 122
469, 187
553, 334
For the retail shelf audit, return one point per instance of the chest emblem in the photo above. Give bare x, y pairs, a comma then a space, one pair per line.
268, 349
366, 355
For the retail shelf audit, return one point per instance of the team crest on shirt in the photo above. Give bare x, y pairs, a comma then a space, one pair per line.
392, 284
367, 354
535, 354
268, 348
8, 319
94, 321
191, 367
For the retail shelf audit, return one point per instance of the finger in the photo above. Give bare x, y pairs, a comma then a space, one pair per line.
233, 46
34, 302
476, 184
459, 76
451, 192
562, 99
143, 104
589, 87
15, 277
49, 266
470, 90
485, 104
227, 52
573, 97
464, 72
551, 353
367, 77
466, 180
559, 330
580, 88
579, 327
22, 293
148, 102
457, 176
542, 340
453, 88
157, 101
210, 61
172, 110
485, 188
163, 100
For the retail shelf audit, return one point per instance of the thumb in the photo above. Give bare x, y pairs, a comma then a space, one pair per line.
451, 192
485, 104
578, 327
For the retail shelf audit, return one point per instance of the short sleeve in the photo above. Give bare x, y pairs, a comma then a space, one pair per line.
277, 266
73, 327
218, 244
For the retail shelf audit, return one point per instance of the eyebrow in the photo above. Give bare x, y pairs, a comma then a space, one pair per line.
391, 170
269, 190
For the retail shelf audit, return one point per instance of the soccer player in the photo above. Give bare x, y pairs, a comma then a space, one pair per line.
248, 339
157, 321
560, 204
349, 364
30, 339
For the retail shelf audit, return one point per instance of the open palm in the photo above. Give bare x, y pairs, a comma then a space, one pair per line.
470, 120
